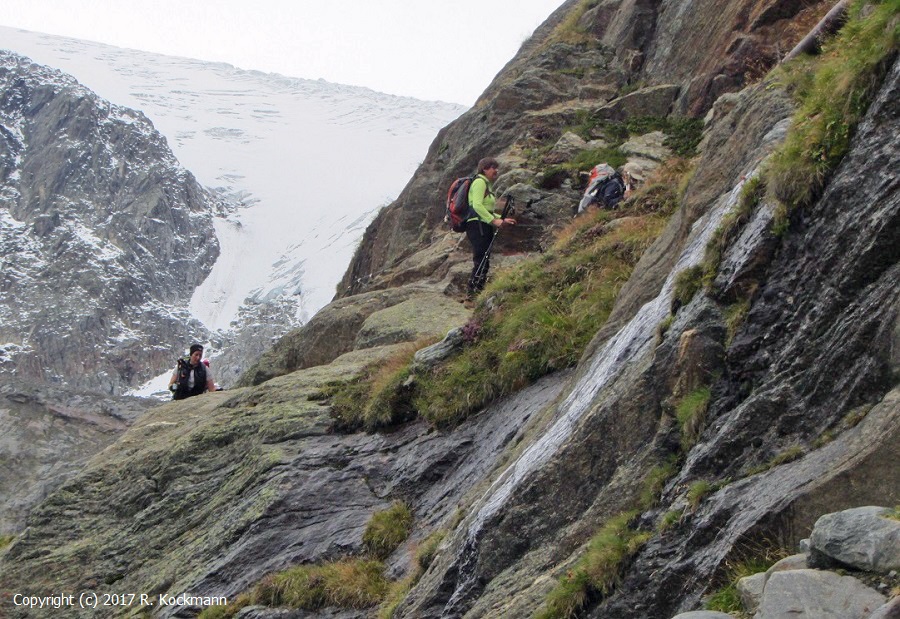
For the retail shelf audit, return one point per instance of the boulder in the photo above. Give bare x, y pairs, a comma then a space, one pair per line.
648, 146
816, 594
863, 538
703, 614
891, 610
650, 101
750, 588
331, 332
429, 315
428, 357
566, 148
793, 562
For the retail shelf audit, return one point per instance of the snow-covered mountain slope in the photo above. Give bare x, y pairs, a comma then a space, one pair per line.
103, 235
307, 163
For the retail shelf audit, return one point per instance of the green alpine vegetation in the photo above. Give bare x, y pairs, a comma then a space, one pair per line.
377, 398
387, 530
698, 491
422, 558
353, 582
598, 571
833, 92
727, 599
682, 136
690, 412
350, 583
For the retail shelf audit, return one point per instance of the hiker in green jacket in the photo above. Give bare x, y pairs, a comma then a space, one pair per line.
483, 222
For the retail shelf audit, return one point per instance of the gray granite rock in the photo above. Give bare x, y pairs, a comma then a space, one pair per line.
816, 594
864, 538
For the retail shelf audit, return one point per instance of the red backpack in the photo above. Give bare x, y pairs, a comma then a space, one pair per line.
458, 203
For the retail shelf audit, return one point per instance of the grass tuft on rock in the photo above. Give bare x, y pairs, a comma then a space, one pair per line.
751, 193
387, 530
380, 397
698, 491
691, 412
687, 284
350, 583
727, 599
599, 570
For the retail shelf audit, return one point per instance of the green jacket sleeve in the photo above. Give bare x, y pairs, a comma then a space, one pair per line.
482, 200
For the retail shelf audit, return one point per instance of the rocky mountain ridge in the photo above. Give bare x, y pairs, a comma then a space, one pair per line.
727, 402
104, 236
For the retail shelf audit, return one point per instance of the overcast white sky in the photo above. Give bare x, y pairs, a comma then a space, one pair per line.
446, 50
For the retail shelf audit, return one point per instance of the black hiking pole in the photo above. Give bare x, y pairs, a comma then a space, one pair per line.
487, 254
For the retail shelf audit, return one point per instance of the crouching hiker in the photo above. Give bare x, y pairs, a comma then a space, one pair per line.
607, 187
483, 223
191, 376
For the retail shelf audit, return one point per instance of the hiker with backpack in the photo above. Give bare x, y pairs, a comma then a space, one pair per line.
191, 376
482, 222
607, 187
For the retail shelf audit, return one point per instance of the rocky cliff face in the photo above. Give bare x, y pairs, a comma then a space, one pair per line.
103, 236
614, 59
789, 351
816, 346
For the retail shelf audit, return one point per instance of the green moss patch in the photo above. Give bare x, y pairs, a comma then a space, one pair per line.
6, 540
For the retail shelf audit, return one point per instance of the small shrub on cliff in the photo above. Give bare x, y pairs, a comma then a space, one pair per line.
387, 530
832, 100
6, 540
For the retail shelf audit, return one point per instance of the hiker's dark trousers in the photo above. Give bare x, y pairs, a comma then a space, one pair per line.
480, 236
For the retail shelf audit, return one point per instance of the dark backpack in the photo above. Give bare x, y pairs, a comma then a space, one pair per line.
182, 390
605, 187
458, 203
